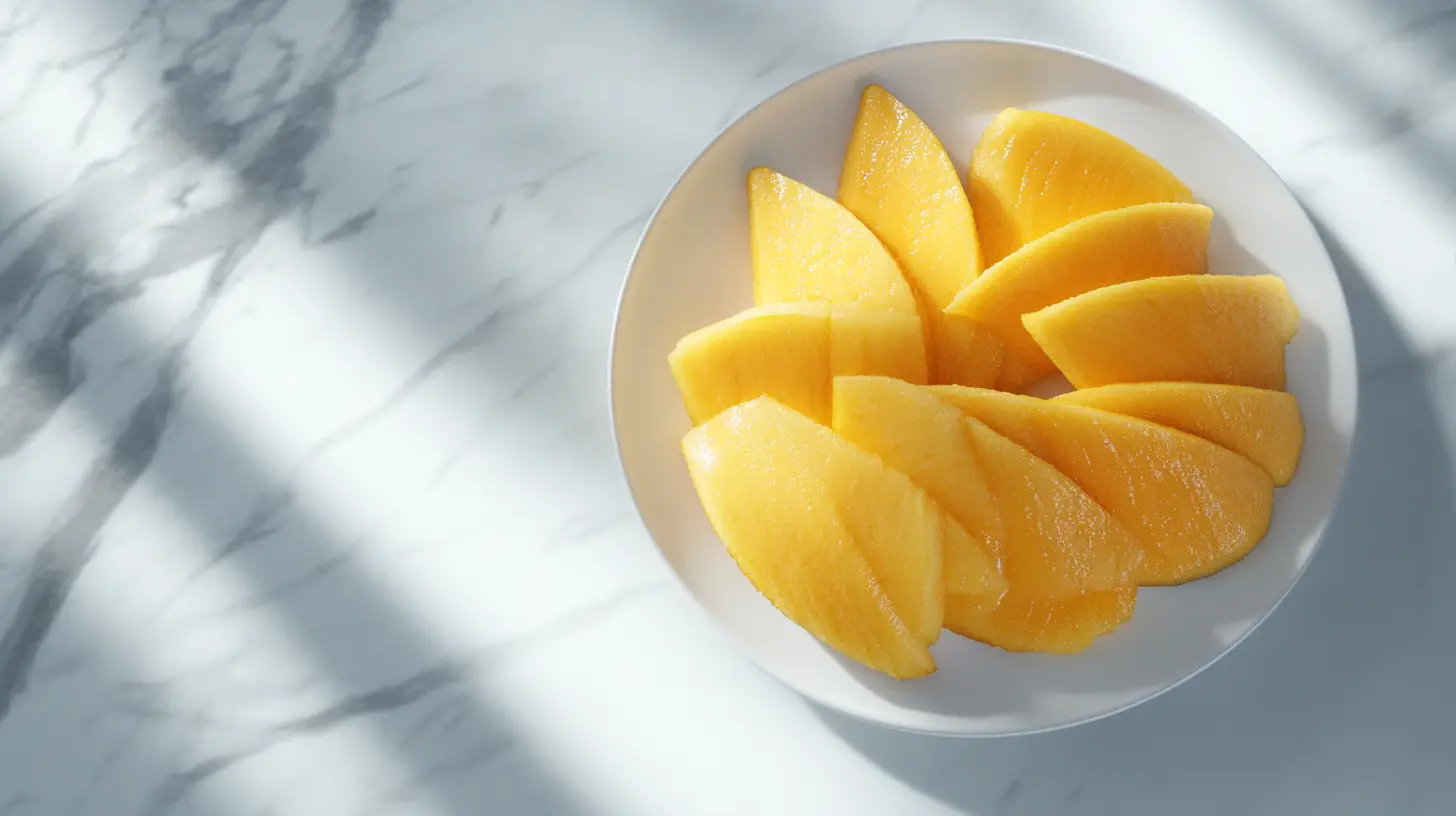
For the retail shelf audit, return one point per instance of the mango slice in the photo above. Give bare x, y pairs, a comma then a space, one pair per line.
1019, 622
1195, 507
1227, 329
920, 436
807, 247
791, 352
845, 547
1141, 241
899, 181
1058, 540
1034, 172
1051, 538
1263, 426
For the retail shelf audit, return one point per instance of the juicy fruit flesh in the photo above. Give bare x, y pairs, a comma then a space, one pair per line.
791, 352
922, 437
1050, 537
1025, 623
1142, 241
1226, 329
1058, 541
1195, 507
780, 350
969, 566
1262, 426
867, 341
847, 548
899, 181
807, 247
1034, 172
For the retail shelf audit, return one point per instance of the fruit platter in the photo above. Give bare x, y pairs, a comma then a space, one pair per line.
978, 406
861, 443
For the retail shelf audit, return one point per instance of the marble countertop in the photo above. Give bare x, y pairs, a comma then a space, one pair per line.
307, 496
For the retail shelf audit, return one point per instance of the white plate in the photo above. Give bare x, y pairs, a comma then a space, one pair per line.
692, 268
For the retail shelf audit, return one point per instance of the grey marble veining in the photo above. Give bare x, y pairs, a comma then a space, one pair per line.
307, 497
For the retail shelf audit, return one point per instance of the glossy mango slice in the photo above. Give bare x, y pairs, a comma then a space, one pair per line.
1227, 329
1019, 622
1263, 426
791, 352
1034, 172
1194, 506
899, 181
846, 547
1050, 537
807, 247
1141, 241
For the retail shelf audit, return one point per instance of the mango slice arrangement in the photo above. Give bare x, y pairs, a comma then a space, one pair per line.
862, 442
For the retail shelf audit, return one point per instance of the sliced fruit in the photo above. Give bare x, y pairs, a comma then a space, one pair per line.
1261, 425
1058, 540
807, 247
791, 351
1141, 241
1194, 506
846, 547
1050, 536
1034, 172
863, 340
899, 181
1227, 329
922, 437
1020, 622
968, 565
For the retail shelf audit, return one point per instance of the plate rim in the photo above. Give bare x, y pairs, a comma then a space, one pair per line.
1035, 45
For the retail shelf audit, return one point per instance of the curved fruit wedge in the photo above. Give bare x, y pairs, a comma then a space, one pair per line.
1261, 425
1025, 623
1058, 540
1195, 507
846, 547
791, 352
1141, 241
1227, 329
1033, 172
1049, 535
808, 247
899, 181
922, 437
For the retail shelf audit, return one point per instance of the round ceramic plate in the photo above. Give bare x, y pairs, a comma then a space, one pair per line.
692, 268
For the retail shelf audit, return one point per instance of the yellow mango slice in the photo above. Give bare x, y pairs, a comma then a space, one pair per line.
807, 247
1019, 622
1141, 241
1227, 329
1261, 425
899, 181
1048, 534
1058, 540
968, 566
922, 437
1195, 507
1034, 172
844, 546
791, 352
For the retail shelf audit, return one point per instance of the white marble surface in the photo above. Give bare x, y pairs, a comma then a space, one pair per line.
307, 499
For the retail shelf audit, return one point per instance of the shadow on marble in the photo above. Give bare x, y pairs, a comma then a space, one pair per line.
1404, 32
1363, 645
392, 678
